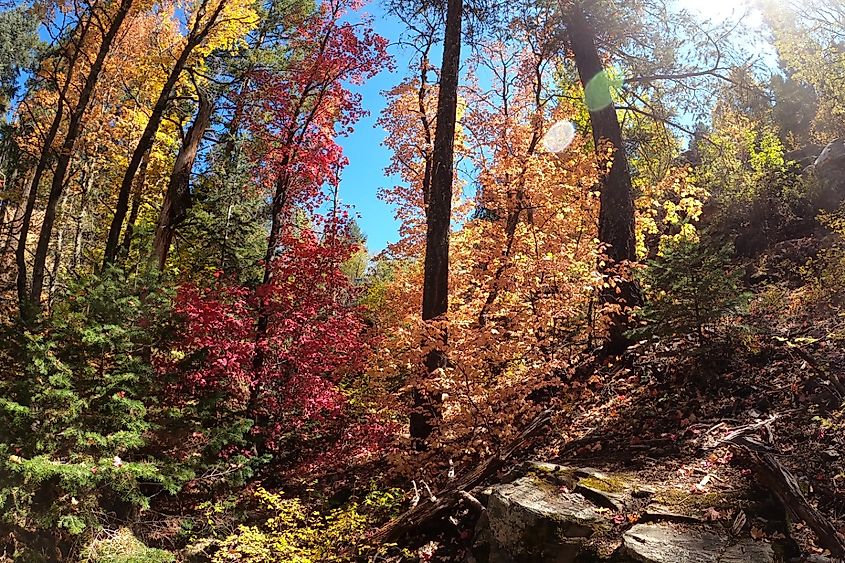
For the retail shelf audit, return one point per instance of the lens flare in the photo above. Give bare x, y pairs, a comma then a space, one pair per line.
601, 88
559, 137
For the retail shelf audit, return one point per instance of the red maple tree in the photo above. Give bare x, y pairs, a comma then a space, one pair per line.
280, 351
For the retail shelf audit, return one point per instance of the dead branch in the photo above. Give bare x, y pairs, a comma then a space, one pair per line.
830, 377
448, 498
778, 479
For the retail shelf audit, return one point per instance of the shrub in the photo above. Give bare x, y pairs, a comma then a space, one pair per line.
123, 547
290, 532
86, 423
689, 287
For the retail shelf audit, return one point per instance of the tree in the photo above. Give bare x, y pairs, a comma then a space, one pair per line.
18, 45
616, 218
225, 17
438, 177
177, 197
221, 86
297, 111
312, 340
66, 152
18, 49
808, 38
69, 53
669, 58
521, 264
437, 195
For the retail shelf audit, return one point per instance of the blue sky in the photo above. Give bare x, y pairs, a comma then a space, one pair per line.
364, 175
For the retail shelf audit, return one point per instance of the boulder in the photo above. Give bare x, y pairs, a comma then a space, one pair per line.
667, 543
829, 169
805, 156
535, 520
830, 164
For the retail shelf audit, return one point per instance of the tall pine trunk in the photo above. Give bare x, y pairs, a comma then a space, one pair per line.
423, 419
178, 196
616, 213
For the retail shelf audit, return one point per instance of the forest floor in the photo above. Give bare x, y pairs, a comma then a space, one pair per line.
658, 414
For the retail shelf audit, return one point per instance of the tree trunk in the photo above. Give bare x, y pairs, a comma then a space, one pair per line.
24, 301
57, 262
137, 198
277, 219
178, 196
85, 188
435, 304
15, 224
74, 130
616, 213
145, 143
8, 215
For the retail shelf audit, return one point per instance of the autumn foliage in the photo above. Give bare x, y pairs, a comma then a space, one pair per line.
316, 342
198, 345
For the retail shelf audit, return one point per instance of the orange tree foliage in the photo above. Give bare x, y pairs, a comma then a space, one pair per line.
522, 263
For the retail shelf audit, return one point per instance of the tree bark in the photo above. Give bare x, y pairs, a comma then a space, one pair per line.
198, 33
616, 213
74, 130
277, 220
177, 199
15, 224
10, 217
57, 262
86, 184
137, 199
24, 301
435, 303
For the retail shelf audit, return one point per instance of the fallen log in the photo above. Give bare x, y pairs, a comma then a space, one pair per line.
782, 483
829, 377
448, 498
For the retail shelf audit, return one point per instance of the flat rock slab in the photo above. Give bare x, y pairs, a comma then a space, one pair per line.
534, 520
658, 512
665, 543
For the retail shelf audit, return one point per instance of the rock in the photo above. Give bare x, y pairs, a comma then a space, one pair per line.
829, 169
589, 472
545, 467
830, 164
601, 498
534, 520
559, 474
665, 543
480, 548
805, 156
656, 511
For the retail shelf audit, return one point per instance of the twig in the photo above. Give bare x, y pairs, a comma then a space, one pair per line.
740, 431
